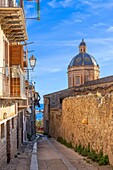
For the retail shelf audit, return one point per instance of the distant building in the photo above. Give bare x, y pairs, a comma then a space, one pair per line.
83, 67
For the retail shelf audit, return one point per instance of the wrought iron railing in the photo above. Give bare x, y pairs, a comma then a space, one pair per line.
7, 3
11, 3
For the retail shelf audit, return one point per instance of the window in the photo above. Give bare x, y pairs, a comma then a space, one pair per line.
12, 123
69, 81
86, 78
2, 131
61, 100
14, 71
77, 80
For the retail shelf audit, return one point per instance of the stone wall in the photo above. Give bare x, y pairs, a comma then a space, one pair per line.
3, 157
14, 138
103, 85
8, 141
97, 110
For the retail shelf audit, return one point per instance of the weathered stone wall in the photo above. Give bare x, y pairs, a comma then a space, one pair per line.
14, 138
20, 128
103, 85
97, 109
55, 128
3, 157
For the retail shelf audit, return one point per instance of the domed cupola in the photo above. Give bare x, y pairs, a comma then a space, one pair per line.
83, 67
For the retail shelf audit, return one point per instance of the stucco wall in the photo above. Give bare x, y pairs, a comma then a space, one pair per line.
97, 109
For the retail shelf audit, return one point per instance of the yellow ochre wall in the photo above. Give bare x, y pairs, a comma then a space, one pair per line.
97, 110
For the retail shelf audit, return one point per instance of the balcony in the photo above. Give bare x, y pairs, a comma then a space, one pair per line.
12, 21
22, 104
26, 103
12, 83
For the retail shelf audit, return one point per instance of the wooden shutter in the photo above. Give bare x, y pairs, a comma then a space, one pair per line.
6, 53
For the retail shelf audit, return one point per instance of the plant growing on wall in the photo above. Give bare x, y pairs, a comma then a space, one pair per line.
86, 151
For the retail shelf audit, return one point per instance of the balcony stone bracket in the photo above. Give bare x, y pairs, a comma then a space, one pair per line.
13, 24
6, 103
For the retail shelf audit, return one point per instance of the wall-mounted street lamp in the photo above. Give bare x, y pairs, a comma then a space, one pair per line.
32, 61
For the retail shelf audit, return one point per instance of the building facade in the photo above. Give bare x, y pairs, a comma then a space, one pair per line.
14, 94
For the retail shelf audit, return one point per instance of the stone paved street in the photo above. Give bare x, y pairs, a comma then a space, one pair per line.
22, 160
51, 155
48, 158
54, 156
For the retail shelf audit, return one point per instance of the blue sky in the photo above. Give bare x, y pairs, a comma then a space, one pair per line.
62, 25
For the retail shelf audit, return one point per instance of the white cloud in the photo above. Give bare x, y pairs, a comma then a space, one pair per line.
52, 3
55, 43
48, 70
86, 2
67, 3
62, 3
107, 5
110, 29
96, 4
82, 34
52, 70
99, 24
78, 20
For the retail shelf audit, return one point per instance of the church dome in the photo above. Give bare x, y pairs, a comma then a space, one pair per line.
83, 59
82, 68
